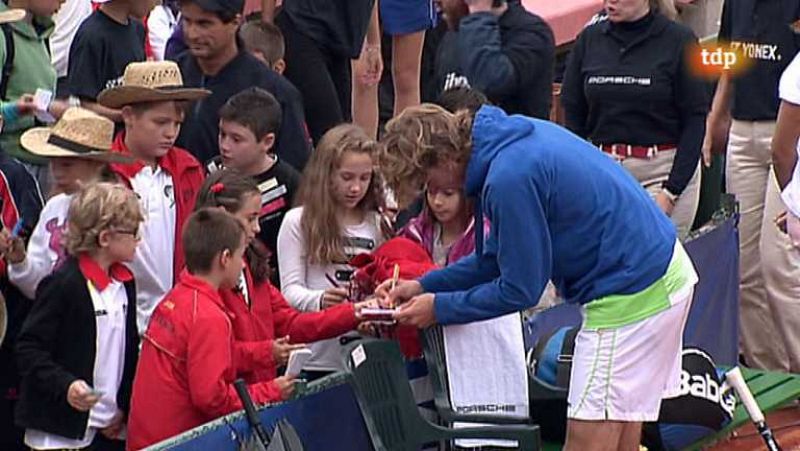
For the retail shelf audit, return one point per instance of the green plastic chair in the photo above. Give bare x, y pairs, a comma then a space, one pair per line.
432, 339
379, 380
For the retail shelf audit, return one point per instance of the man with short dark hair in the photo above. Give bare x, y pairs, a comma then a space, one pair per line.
216, 60
500, 49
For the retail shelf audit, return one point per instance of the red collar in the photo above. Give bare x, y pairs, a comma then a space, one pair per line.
175, 162
190, 281
99, 278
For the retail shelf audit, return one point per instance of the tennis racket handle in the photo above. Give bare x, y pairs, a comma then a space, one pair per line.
736, 380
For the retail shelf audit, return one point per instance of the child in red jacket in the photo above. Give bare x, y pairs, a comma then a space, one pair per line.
265, 326
166, 178
186, 368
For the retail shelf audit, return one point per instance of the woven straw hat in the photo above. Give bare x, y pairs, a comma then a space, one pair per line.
149, 81
79, 133
12, 15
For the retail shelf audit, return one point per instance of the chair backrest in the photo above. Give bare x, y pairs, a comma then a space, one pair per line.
432, 339
379, 379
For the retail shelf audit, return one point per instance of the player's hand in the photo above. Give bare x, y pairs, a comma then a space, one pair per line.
418, 312
402, 292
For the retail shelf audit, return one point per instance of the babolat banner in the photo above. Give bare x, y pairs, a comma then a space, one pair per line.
705, 406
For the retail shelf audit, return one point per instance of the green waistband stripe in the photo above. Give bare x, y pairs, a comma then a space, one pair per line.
623, 309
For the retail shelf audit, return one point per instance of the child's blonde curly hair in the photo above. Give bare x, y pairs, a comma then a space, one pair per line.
98, 207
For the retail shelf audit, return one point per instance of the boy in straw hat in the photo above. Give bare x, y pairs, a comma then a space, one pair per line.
166, 178
78, 149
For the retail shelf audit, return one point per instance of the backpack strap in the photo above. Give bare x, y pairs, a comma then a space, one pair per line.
564, 365
8, 64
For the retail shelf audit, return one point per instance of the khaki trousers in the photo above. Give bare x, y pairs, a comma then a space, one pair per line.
653, 172
769, 266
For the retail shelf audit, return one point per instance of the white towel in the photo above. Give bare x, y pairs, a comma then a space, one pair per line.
486, 371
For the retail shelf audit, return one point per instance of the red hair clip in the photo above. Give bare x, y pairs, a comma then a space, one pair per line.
217, 188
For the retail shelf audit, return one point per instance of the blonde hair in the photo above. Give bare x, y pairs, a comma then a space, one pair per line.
319, 224
98, 207
418, 139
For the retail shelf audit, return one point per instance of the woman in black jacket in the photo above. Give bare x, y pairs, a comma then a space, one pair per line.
628, 89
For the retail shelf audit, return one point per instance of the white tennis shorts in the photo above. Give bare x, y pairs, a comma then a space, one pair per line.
622, 374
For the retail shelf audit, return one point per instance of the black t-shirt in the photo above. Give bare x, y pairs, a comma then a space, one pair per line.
337, 25
764, 31
99, 53
199, 134
278, 186
632, 86
509, 58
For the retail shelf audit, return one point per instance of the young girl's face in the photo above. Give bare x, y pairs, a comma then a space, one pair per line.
69, 173
444, 194
352, 178
248, 215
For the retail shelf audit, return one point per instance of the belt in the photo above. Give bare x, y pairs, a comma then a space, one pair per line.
623, 151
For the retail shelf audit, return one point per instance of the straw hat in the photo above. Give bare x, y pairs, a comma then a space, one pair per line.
79, 134
12, 15
149, 81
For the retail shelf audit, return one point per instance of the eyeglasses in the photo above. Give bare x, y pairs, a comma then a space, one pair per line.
135, 233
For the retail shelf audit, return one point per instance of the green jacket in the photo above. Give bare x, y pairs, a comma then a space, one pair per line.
32, 69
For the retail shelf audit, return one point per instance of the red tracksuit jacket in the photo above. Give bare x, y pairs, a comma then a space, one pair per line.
187, 175
186, 370
269, 316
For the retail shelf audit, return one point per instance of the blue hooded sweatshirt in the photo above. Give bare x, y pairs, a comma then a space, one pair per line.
559, 209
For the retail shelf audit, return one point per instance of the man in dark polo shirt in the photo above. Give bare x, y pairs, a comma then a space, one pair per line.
500, 49
215, 60
767, 33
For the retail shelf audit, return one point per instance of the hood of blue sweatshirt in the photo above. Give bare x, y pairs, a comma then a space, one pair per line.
559, 210
486, 146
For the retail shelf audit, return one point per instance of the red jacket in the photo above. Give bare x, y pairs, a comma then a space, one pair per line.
187, 175
269, 316
413, 261
186, 372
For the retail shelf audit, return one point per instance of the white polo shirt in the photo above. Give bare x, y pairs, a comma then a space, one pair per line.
154, 260
790, 92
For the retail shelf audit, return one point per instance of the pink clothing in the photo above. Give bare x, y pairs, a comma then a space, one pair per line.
422, 229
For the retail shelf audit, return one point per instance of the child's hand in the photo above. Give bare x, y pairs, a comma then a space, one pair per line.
113, 430
286, 386
26, 105
57, 108
81, 397
403, 291
333, 296
12, 249
281, 350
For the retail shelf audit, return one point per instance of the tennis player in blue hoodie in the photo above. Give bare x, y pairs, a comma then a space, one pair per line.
560, 210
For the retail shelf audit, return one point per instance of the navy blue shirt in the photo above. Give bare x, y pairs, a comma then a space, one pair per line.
765, 32
199, 134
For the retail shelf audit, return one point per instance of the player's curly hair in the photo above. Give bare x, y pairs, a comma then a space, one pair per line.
418, 139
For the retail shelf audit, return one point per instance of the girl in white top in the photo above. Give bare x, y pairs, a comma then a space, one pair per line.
339, 217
